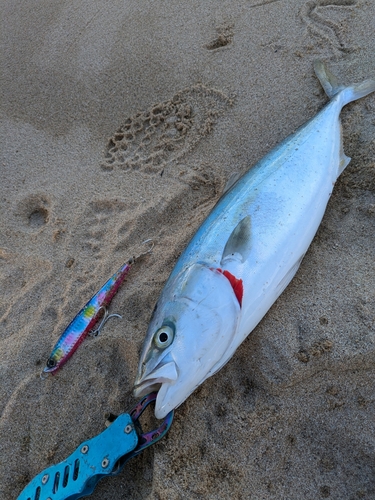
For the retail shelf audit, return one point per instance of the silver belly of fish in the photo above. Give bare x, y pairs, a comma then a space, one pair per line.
244, 255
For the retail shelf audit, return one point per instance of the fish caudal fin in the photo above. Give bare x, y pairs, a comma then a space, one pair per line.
347, 93
327, 79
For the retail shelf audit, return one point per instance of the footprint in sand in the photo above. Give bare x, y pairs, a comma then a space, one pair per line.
150, 139
224, 37
101, 225
34, 212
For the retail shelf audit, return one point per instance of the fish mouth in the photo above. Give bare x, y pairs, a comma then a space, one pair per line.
165, 373
146, 387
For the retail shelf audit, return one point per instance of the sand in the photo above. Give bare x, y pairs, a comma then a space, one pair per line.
89, 171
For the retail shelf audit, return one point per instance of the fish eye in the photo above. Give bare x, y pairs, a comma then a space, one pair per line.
164, 337
51, 363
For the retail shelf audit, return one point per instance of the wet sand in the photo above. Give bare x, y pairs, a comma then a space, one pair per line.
123, 121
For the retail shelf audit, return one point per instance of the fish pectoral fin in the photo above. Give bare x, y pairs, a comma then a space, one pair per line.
238, 245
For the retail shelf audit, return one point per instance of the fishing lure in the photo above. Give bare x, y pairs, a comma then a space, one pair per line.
84, 323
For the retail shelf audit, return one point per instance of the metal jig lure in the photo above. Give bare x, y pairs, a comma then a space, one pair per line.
87, 318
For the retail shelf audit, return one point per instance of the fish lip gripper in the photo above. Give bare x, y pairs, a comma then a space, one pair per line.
101, 456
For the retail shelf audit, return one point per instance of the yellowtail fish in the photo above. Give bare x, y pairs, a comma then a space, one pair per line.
244, 254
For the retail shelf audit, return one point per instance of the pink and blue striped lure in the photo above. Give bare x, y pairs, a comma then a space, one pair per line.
85, 321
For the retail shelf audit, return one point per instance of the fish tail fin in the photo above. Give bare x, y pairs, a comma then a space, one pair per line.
332, 87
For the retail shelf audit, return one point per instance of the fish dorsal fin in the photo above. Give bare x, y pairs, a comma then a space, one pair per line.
233, 178
239, 242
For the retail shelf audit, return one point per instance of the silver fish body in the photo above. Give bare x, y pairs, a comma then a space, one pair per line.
244, 255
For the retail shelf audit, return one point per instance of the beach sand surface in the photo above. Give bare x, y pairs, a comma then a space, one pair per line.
122, 121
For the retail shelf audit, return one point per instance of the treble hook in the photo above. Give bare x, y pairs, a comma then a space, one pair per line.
149, 250
106, 317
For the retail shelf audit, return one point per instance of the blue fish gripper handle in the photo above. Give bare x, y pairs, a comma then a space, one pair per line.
103, 455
